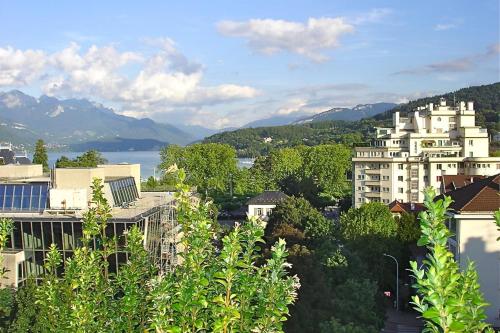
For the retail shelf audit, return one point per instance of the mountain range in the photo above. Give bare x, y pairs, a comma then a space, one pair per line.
82, 124
23, 119
358, 112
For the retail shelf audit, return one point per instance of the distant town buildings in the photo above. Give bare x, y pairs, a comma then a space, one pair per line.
48, 210
9, 156
418, 151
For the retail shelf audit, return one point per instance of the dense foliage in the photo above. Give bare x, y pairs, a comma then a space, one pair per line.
448, 299
209, 167
317, 173
89, 159
40, 156
338, 293
214, 288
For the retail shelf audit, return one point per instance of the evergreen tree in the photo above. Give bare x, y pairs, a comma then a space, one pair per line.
40, 155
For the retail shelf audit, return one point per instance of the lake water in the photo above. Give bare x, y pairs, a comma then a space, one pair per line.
148, 160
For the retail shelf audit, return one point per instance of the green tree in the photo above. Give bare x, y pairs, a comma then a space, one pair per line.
298, 213
355, 308
216, 289
448, 299
371, 219
6, 293
89, 159
208, 166
408, 229
40, 156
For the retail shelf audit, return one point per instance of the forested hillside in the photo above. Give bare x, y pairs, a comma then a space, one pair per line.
252, 142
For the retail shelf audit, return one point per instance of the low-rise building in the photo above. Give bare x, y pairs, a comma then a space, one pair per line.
262, 205
475, 236
49, 210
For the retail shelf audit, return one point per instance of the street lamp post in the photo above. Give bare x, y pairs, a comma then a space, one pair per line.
397, 279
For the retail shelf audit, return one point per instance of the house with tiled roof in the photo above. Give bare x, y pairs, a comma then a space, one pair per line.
397, 207
471, 220
263, 204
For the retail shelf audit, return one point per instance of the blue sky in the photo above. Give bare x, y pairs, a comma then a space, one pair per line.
225, 63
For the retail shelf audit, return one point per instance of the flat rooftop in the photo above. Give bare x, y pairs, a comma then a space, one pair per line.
147, 202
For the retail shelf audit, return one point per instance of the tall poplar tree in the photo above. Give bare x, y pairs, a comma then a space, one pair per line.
40, 156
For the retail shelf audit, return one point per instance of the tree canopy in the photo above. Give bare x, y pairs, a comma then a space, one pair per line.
89, 159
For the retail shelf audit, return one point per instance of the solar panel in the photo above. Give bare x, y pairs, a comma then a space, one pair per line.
124, 190
24, 197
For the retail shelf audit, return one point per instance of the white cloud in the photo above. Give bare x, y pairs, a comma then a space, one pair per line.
138, 84
308, 39
444, 26
463, 64
19, 67
376, 15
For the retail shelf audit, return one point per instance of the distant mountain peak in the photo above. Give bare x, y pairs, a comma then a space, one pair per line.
69, 121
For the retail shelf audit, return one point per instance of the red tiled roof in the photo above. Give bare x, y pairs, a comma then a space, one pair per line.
453, 182
405, 207
480, 196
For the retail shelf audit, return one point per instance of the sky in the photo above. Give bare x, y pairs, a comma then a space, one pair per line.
222, 64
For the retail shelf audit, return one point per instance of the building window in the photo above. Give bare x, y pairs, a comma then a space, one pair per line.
400, 190
471, 142
400, 166
471, 154
258, 211
426, 179
400, 178
439, 166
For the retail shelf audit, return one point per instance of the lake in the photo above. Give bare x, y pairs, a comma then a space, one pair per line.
148, 160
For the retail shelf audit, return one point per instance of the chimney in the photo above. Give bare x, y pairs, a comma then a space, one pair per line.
462, 106
442, 102
470, 106
431, 106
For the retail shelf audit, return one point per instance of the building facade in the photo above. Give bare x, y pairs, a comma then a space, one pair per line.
49, 210
471, 220
419, 149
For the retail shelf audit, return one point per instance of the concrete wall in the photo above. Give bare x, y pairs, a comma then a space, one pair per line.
81, 178
11, 261
69, 198
21, 171
477, 242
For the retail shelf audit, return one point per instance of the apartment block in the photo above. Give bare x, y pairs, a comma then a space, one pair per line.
418, 150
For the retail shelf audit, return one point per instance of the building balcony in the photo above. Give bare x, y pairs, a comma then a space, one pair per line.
372, 182
375, 171
372, 194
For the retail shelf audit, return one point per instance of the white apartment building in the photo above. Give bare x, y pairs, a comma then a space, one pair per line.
417, 150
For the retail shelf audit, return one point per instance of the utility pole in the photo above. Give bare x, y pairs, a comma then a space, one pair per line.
397, 279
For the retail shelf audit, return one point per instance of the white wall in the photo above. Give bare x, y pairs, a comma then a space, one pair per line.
477, 242
266, 210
